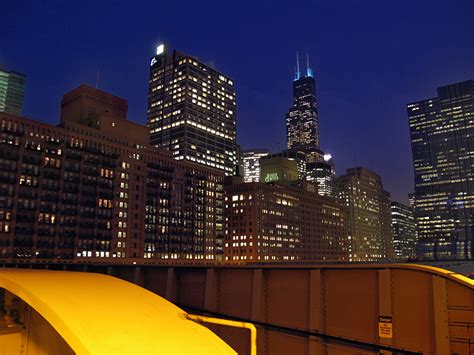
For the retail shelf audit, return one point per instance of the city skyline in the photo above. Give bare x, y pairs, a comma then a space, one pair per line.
271, 177
353, 64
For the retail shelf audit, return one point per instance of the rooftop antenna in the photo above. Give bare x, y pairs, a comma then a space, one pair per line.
309, 71
297, 73
97, 79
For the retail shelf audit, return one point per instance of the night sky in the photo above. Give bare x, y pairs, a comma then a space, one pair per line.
370, 59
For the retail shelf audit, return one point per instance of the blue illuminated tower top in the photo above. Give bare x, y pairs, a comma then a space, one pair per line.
309, 70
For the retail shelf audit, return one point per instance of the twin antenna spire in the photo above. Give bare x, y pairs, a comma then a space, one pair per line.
309, 70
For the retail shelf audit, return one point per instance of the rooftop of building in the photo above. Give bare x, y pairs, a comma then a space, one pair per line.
255, 151
301, 187
396, 203
91, 98
165, 50
3, 70
361, 172
447, 91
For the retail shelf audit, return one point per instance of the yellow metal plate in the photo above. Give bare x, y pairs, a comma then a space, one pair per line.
99, 314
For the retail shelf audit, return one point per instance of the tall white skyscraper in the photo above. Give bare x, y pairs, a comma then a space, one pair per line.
192, 110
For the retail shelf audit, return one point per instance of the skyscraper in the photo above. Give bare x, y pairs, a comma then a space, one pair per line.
302, 131
239, 166
323, 173
191, 110
12, 91
369, 216
251, 162
442, 131
404, 231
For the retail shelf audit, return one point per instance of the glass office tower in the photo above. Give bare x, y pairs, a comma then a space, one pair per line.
12, 91
442, 131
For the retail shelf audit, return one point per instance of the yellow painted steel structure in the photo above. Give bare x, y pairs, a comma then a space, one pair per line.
230, 323
86, 313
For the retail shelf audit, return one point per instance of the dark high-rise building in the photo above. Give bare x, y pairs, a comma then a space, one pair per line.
369, 215
12, 91
404, 231
442, 131
302, 130
239, 166
192, 110
93, 187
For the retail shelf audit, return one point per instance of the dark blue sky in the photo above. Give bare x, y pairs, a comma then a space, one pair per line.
370, 58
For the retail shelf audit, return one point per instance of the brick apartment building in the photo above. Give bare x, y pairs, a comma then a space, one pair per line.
93, 187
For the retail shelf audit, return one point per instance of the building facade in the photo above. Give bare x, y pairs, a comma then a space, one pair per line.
279, 222
442, 131
93, 187
411, 200
291, 165
277, 168
192, 110
404, 231
12, 92
369, 214
251, 163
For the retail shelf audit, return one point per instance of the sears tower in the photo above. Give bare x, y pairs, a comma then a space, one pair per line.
302, 131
